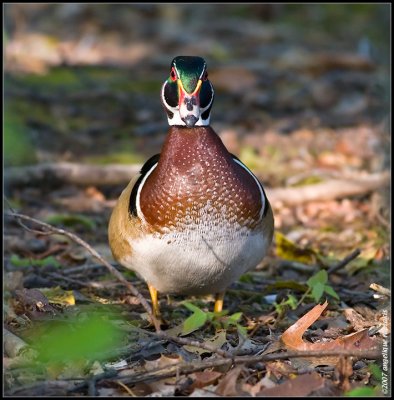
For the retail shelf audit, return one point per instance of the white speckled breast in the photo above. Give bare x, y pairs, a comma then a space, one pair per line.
202, 260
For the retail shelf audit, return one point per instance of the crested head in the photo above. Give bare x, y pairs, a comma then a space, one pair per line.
187, 95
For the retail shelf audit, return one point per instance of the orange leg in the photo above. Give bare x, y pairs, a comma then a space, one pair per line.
219, 302
155, 302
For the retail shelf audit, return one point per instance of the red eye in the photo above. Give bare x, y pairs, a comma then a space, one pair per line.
205, 76
173, 74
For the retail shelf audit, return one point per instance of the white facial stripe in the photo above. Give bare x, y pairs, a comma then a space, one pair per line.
137, 200
177, 73
258, 184
176, 119
203, 70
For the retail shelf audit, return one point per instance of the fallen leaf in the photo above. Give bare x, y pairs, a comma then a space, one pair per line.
204, 378
228, 385
265, 382
302, 385
216, 342
59, 296
288, 250
163, 385
292, 339
357, 321
34, 301
279, 369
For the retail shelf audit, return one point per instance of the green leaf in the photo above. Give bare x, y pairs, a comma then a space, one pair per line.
292, 301
195, 321
91, 338
71, 220
191, 306
242, 330
319, 277
375, 371
235, 317
329, 290
317, 291
26, 262
362, 392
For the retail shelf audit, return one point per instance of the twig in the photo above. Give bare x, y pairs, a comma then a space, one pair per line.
345, 261
380, 289
297, 266
96, 285
186, 368
95, 254
83, 268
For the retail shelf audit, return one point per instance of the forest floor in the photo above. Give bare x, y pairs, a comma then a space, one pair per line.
307, 113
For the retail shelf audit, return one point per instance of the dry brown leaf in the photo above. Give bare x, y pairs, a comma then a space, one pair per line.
228, 385
357, 320
204, 378
34, 302
162, 362
292, 339
279, 369
265, 382
302, 385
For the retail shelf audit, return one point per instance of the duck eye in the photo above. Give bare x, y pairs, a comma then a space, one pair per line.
173, 75
205, 76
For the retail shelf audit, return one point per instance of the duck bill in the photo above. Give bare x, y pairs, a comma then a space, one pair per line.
189, 104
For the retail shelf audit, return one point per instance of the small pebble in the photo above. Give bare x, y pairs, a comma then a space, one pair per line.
359, 365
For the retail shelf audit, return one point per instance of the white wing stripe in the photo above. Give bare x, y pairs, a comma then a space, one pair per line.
263, 200
137, 200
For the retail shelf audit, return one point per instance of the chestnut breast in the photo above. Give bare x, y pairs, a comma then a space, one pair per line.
197, 181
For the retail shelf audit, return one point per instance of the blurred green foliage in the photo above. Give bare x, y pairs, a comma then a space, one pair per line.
18, 148
71, 220
92, 338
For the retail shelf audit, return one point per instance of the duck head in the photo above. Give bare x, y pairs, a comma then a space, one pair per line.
187, 95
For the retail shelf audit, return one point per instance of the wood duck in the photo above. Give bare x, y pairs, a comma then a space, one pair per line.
195, 218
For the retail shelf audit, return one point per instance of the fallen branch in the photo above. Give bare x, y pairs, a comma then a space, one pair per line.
118, 174
328, 190
187, 368
70, 173
13, 344
51, 229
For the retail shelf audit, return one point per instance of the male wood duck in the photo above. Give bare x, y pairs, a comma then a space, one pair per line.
195, 218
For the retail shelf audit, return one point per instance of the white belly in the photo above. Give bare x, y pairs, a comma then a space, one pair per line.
198, 261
